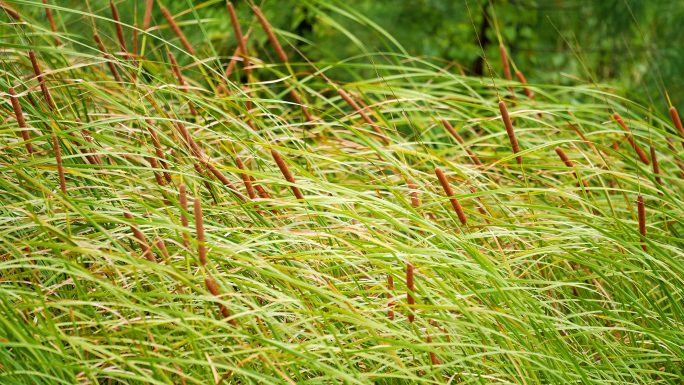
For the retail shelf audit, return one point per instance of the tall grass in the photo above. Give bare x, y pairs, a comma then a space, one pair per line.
307, 256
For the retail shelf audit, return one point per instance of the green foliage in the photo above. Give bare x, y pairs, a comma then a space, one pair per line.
549, 281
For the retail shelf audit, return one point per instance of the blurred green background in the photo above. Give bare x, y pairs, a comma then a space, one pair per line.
550, 41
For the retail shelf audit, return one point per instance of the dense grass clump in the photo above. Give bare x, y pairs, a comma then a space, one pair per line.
165, 220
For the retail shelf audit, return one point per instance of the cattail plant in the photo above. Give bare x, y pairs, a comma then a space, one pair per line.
629, 136
204, 176
135, 39
9, 10
211, 287
365, 117
177, 31
433, 357
670, 145
199, 226
409, 292
521, 79
181, 81
677, 122
506, 68
148, 14
240, 39
450, 193
51, 20
642, 220
286, 173
157, 175
460, 140
245, 178
509, 130
157, 148
147, 252
656, 168
162, 247
183, 200
390, 290
58, 159
415, 201
110, 59
19, 114
226, 182
41, 80
568, 163
117, 26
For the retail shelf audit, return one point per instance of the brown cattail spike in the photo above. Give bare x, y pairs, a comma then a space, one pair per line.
409, 293
148, 14
365, 117
199, 226
19, 114
181, 81
568, 163
509, 130
51, 19
226, 182
117, 26
433, 356
245, 179
147, 253
522, 80
449, 192
671, 146
286, 173
157, 149
135, 38
58, 159
269, 32
110, 59
506, 68
415, 202
390, 289
656, 168
639, 151
455, 134
238, 36
642, 220
678, 123
39, 76
9, 10
162, 247
177, 31
184, 206
157, 175
211, 287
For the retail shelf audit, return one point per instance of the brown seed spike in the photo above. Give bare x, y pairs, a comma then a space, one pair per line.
390, 288
226, 182
656, 168
157, 148
238, 36
433, 357
110, 59
199, 226
148, 14
678, 123
41, 81
10, 11
147, 253
509, 130
211, 287
184, 219
286, 173
568, 163
639, 151
51, 19
135, 39
521, 79
245, 179
506, 68
181, 81
415, 202
19, 114
58, 159
642, 220
157, 176
450, 193
365, 117
670, 145
409, 294
269, 32
162, 247
117, 26
455, 134
177, 31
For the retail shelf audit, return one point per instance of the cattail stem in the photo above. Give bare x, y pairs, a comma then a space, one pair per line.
365, 117
509, 130
199, 226
238, 36
286, 173
390, 289
110, 59
521, 79
639, 151
181, 81
455, 134
569, 164
656, 168
117, 26
41, 81
506, 68
148, 14
184, 219
51, 19
19, 114
211, 287
678, 123
58, 159
147, 253
450, 193
177, 31
642, 220
409, 293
